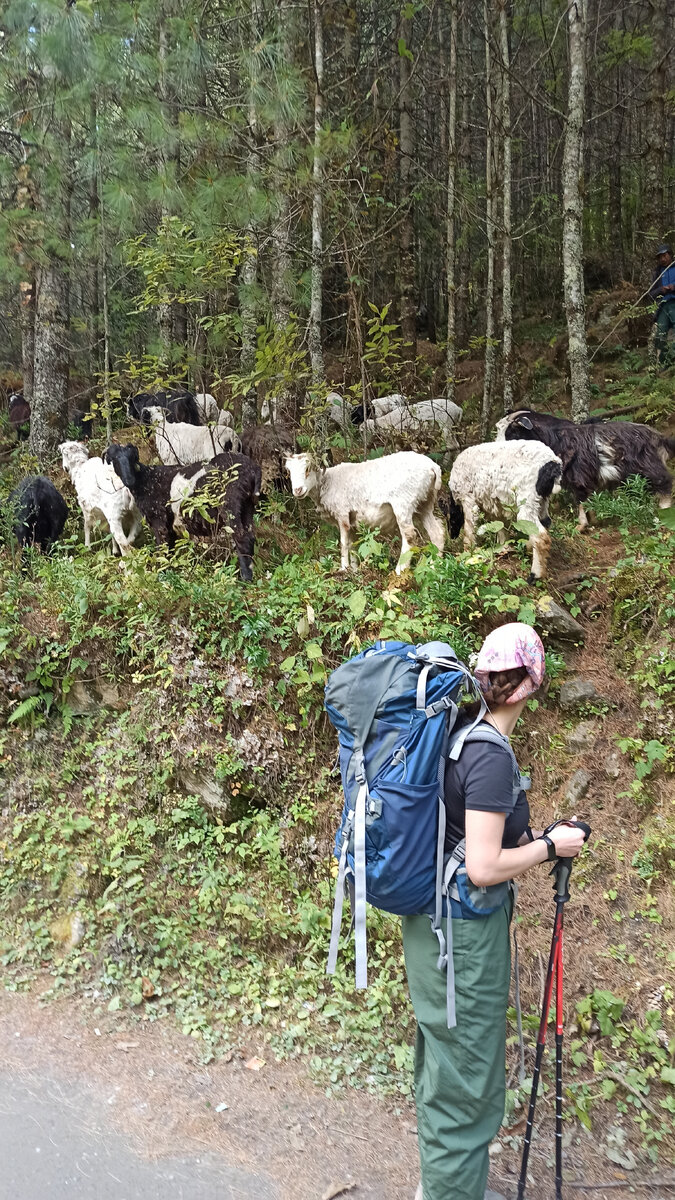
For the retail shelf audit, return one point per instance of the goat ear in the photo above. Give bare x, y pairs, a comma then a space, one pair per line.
524, 422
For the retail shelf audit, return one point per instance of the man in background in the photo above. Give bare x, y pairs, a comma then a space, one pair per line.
663, 292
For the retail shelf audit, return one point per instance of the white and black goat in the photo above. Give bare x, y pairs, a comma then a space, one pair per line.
161, 493
505, 480
596, 455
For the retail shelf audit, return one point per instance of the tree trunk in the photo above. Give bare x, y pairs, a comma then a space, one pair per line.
464, 165
406, 160
283, 260
25, 200
490, 347
451, 348
314, 330
103, 261
164, 308
249, 271
27, 318
49, 411
573, 271
615, 212
94, 315
655, 124
507, 303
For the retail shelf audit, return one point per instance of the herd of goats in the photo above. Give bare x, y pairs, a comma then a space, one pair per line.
211, 477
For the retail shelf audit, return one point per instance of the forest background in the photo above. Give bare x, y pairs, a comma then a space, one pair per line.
248, 191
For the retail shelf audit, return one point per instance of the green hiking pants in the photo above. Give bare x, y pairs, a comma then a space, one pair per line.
665, 320
460, 1079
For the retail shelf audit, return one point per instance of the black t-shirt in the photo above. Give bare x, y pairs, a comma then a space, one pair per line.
482, 780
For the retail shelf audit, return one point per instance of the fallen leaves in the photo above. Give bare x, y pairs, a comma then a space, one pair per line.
254, 1064
338, 1189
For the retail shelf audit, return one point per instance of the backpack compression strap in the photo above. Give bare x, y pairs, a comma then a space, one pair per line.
356, 822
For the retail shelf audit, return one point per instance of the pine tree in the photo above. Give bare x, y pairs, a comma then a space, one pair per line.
573, 271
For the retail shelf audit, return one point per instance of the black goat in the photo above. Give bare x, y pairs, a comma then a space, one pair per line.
19, 415
362, 412
160, 493
597, 456
136, 404
178, 406
82, 421
38, 512
182, 407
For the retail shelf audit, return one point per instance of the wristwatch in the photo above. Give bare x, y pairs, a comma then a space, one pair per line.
552, 852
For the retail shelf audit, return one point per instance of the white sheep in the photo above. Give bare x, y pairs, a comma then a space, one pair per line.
207, 406
102, 497
372, 409
390, 492
339, 410
512, 480
414, 418
381, 405
180, 444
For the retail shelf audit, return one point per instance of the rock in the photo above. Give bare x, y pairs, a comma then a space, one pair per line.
577, 691
75, 886
210, 791
582, 737
577, 786
617, 1150
239, 686
86, 698
80, 700
109, 693
260, 747
612, 764
68, 930
557, 621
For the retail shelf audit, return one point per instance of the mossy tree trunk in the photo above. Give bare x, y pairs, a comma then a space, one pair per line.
573, 270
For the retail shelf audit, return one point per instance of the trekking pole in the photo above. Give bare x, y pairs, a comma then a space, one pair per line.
561, 872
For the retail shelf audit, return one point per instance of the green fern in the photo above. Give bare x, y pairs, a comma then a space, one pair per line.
26, 707
67, 715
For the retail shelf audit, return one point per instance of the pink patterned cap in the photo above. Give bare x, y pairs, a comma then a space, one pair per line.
512, 645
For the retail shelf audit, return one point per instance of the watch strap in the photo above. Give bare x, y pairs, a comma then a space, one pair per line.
552, 853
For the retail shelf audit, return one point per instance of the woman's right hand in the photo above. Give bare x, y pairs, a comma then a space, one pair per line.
568, 839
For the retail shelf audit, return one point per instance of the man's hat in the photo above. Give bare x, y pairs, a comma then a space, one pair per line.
664, 249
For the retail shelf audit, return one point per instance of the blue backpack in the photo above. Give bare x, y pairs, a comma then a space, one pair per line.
394, 707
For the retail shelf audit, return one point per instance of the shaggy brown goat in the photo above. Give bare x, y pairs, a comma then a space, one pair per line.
269, 446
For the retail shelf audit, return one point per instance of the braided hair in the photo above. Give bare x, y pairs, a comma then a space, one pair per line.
502, 685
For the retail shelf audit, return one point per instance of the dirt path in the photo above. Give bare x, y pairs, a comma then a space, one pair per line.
96, 1107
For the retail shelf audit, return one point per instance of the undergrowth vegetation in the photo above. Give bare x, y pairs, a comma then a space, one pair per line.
170, 790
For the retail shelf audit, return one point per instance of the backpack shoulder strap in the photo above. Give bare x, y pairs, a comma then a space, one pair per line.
486, 733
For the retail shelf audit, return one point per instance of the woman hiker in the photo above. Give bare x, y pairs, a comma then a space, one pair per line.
460, 1080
